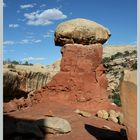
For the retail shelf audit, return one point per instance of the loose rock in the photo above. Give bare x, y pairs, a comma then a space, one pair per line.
82, 113
102, 114
54, 125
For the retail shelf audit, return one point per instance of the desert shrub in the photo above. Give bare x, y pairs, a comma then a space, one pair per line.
11, 66
15, 62
106, 59
117, 55
126, 53
134, 66
116, 99
134, 52
27, 63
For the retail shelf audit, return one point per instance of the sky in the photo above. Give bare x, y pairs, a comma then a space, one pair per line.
29, 25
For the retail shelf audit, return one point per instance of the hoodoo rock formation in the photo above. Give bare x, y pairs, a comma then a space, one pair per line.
81, 77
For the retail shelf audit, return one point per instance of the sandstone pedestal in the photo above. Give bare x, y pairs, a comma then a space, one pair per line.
81, 77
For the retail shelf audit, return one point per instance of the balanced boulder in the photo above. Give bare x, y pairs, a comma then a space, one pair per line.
81, 31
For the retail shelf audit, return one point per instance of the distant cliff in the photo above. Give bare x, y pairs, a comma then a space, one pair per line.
20, 80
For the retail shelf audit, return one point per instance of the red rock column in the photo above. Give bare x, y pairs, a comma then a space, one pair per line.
82, 75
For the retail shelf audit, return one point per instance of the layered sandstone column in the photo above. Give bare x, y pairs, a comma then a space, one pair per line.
82, 77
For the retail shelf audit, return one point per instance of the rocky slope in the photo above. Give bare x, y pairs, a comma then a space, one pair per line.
117, 59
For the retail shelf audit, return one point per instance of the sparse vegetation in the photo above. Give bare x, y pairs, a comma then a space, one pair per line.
126, 53
106, 60
11, 66
134, 66
117, 55
115, 98
133, 52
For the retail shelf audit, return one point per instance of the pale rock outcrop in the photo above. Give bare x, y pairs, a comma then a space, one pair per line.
129, 102
80, 31
21, 80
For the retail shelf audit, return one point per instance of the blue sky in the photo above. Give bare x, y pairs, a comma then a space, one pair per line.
29, 25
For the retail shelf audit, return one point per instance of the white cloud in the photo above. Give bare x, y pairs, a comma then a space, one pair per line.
9, 42
37, 41
13, 25
44, 18
29, 41
51, 31
22, 42
26, 6
33, 58
49, 34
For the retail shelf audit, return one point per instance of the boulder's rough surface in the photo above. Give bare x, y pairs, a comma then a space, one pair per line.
129, 102
80, 31
54, 125
81, 77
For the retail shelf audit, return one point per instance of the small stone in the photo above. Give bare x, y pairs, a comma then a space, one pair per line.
54, 125
106, 127
83, 113
112, 113
102, 114
120, 118
113, 119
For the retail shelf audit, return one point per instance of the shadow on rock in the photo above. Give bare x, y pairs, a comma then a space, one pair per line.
103, 134
21, 129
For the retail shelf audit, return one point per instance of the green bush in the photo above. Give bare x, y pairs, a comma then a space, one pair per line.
11, 66
126, 53
134, 66
117, 55
15, 62
116, 99
106, 60
134, 52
